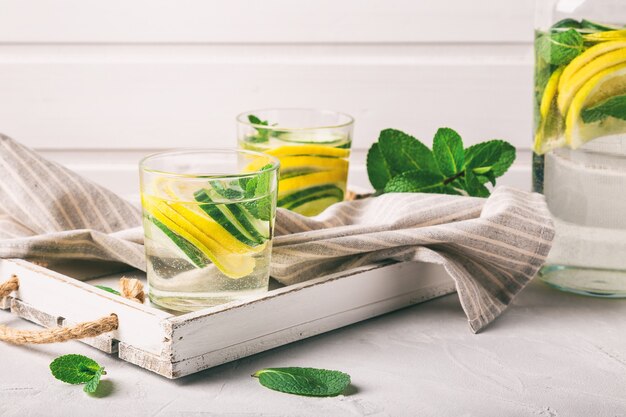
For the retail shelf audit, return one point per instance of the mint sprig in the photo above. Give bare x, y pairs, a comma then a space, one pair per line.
78, 369
263, 135
400, 163
310, 382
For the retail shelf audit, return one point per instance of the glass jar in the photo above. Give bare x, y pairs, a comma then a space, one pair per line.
579, 158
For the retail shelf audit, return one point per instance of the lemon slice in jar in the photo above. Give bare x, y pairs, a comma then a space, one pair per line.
608, 83
549, 135
606, 36
584, 67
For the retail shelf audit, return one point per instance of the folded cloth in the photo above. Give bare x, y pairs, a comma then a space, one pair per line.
491, 247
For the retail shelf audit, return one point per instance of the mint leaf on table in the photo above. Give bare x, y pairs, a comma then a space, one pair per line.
310, 382
448, 151
77, 369
611, 107
92, 385
108, 289
400, 163
561, 47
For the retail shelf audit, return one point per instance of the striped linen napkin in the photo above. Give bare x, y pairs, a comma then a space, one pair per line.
491, 247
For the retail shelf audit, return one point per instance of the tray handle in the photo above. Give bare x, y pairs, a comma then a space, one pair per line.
131, 288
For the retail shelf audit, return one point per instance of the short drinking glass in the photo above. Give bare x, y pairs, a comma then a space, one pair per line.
313, 147
208, 217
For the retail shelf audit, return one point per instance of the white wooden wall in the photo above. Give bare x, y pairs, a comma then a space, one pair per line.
97, 84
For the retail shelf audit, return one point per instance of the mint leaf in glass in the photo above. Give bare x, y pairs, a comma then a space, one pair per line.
448, 151
257, 188
567, 24
304, 381
613, 107
598, 27
77, 369
263, 135
561, 47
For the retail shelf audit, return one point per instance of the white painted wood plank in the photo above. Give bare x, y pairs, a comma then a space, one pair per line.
75, 302
146, 360
438, 288
267, 21
160, 101
232, 330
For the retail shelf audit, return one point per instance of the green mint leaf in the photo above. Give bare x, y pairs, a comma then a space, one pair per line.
485, 176
404, 153
494, 155
448, 151
567, 24
258, 188
400, 163
560, 48
74, 369
378, 171
108, 289
263, 135
256, 121
416, 182
473, 186
613, 107
598, 27
304, 381
92, 385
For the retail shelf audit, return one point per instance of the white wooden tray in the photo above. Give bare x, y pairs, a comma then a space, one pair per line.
178, 345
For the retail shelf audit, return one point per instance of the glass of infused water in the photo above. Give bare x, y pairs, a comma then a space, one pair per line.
313, 147
208, 218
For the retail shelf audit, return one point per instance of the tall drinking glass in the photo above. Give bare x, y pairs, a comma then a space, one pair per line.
208, 222
313, 147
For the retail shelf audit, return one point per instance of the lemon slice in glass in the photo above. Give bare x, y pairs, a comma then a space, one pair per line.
311, 180
231, 264
605, 84
319, 150
180, 194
